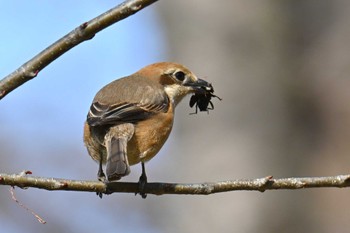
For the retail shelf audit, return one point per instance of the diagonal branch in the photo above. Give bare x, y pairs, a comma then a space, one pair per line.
261, 184
84, 32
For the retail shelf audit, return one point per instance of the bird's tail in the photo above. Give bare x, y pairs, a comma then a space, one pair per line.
117, 159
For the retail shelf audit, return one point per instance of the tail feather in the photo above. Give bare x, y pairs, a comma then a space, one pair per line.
117, 159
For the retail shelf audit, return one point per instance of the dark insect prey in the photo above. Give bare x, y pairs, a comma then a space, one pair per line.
203, 101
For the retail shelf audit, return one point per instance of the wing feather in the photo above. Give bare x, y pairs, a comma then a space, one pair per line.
127, 107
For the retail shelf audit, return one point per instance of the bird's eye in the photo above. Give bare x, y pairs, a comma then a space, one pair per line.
179, 75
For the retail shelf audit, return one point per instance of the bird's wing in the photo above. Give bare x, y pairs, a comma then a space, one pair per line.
143, 101
101, 114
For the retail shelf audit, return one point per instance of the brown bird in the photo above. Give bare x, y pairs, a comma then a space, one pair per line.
131, 118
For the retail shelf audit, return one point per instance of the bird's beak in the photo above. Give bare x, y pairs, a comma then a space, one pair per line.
200, 86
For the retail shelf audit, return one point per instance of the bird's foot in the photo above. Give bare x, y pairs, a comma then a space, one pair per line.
141, 184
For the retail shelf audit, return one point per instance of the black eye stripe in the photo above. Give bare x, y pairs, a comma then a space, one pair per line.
179, 75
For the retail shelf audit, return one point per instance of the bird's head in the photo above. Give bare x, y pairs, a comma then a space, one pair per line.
177, 80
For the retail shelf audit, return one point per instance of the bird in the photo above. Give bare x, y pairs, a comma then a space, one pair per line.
131, 118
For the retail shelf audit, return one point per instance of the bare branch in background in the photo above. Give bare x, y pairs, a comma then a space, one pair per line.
84, 32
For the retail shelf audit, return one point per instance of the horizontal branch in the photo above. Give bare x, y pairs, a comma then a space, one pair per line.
261, 184
84, 32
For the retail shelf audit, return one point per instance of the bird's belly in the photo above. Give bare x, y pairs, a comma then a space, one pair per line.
149, 137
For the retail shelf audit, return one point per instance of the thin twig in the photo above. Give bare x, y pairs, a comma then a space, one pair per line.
84, 32
13, 196
260, 184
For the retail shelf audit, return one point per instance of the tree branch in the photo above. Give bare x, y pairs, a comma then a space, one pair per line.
261, 184
84, 32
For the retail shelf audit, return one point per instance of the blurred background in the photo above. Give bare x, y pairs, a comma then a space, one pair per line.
281, 68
